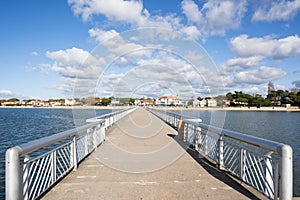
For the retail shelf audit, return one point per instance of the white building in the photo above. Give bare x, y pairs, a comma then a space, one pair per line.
70, 102
144, 102
167, 100
211, 103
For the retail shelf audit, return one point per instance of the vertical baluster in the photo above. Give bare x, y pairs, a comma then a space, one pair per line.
242, 164
220, 152
269, 177
53, 166
26, 178
73, 155
198, 138
95, 143
276, 179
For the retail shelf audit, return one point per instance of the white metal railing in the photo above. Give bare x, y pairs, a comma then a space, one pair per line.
29, 176
263, 164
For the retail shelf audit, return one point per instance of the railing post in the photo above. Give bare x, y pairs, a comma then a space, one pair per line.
74, 153
13, 178
181, 130
276, 179
53, 166
197, 137
95, 143
286, 173
26, 178
220, 152
269, 188
242, 164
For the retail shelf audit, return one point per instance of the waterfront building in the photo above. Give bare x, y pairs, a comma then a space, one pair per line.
167, 100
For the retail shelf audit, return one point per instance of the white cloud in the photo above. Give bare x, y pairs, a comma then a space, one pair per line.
277, 10
43, 67
115, 43
127, 11
191, 31
254, 90
224, 15
281, 87
34, 53
71, 57
101, 35
192, 12
133, 14
79, 70
241, 63
76, 62
215, 17
259, 76
5, 93
268, 47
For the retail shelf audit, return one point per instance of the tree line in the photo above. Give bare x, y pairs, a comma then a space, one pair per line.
274, 98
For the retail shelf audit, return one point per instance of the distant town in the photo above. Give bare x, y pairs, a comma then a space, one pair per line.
238, 98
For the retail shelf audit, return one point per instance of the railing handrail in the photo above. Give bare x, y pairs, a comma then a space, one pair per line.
256, 141
46, 141
14, 173
283, 171
253, 140
105, 115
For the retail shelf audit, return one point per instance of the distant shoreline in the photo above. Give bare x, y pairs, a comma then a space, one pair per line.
269, 109
71, 107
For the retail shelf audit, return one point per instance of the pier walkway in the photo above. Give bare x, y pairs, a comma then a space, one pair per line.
142, 159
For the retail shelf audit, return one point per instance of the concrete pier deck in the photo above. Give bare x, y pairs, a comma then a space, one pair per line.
141, 159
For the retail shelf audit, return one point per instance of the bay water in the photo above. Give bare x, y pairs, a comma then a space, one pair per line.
21, 125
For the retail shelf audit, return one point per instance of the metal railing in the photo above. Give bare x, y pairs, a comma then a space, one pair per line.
263, 164
29, 178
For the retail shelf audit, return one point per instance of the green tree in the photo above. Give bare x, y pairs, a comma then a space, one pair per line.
105, 101
229, 96
13, 100
199, 98
131, 101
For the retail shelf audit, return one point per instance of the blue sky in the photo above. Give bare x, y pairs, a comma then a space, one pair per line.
55, 48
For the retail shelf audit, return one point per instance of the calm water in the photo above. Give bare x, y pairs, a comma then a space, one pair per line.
22, 125
19, 125
282, 127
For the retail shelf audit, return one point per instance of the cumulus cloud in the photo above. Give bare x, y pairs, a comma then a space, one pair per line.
215, 17
101, 35
192, 12
255, 90
276, 10
79, 70
240, 63
43, 67
244, 46
259, 76
6, 93
76, 62
114, 42
131, 13
128, 11
34, 53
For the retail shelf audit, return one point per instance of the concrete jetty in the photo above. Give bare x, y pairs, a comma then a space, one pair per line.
141, 158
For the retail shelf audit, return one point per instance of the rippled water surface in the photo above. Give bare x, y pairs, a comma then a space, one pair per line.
282, 127
18, 126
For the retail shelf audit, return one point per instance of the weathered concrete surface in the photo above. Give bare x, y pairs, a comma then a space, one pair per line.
141, 160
